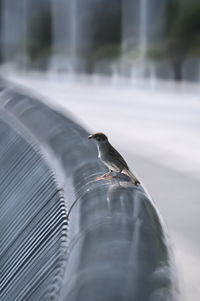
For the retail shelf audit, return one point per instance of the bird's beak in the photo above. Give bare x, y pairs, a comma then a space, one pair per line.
90, 137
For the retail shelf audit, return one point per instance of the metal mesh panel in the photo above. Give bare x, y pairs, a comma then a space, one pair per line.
32, 220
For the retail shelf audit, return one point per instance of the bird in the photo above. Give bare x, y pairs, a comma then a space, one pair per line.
111, 157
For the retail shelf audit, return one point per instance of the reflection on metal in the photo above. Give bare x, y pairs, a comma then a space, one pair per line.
32, 220
117, 247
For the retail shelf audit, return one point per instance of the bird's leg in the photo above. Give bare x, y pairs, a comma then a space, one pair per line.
108, 174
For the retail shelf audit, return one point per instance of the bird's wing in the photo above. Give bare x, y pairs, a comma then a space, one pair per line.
116, 155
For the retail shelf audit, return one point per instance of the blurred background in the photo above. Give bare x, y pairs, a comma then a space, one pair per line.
134, 38
130, 68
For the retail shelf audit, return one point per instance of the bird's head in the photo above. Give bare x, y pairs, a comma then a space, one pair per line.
98, 137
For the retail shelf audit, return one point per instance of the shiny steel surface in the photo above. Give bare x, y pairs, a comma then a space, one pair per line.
117, 245
32, 220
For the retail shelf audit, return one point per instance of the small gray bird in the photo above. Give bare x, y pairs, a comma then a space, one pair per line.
111, 158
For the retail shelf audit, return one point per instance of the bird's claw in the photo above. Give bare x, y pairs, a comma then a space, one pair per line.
107, 176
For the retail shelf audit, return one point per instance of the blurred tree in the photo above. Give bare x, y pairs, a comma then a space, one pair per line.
106, 30
107, 25
39, 35
182, 35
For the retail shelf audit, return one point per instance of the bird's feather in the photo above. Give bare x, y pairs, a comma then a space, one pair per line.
131, 176
115, 154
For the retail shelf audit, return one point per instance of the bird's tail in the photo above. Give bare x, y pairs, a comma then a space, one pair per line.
131, 176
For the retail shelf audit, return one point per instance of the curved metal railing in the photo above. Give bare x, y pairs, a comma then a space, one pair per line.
117, 246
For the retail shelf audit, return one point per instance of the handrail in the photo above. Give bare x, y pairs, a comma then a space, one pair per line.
117, 245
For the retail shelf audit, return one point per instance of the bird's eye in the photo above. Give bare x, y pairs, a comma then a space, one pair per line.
98, 139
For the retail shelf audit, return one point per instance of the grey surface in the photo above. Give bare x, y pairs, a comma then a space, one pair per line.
117, 247
32, 220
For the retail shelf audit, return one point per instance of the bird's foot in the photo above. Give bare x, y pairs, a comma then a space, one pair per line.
107, 176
